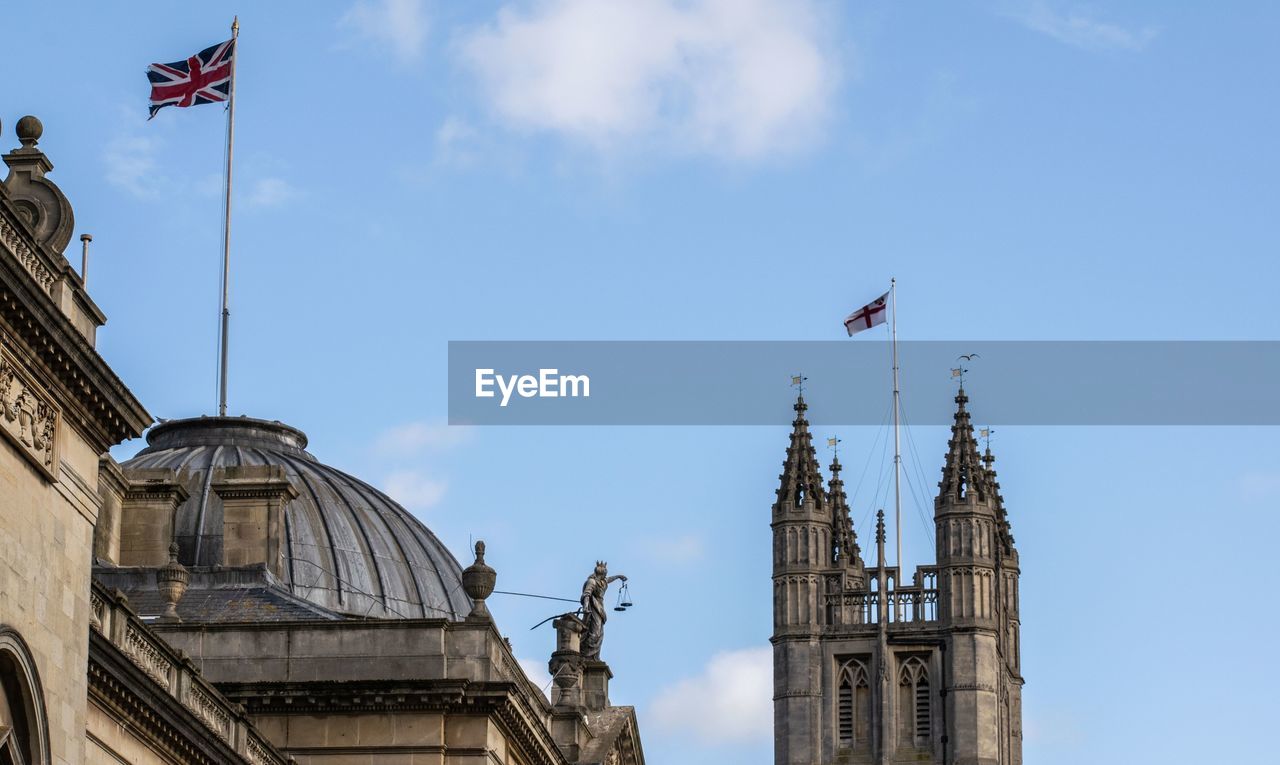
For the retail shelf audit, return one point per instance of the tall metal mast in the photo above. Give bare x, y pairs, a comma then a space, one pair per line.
226, 229
897, 450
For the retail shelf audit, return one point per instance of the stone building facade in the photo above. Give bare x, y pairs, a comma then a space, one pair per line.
224, 597
871, 668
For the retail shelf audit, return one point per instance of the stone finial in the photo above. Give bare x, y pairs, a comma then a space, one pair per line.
37, 200
478, 580
172, 579
29, 130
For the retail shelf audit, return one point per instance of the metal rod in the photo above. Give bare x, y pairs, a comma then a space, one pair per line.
84, 259
897, 451
226, 229
531, 595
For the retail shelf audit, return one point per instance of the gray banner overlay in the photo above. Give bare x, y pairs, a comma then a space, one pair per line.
849, 383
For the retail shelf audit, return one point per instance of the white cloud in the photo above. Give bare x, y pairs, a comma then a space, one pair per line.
414, 490
1076, 27
270, 192
734, 78
399, 25
415, 437
132, 165
730, 702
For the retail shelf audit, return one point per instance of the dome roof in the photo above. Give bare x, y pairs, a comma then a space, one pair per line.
348, 547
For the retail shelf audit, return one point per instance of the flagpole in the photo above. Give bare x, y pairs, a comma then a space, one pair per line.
897, 450
226, 229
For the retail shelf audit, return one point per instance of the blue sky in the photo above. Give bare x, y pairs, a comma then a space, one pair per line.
414, 172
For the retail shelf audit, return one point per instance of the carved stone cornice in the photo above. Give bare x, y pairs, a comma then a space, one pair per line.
110, 476
154, 485
500, 701
265, 482
29, 415
43, 339
33, 278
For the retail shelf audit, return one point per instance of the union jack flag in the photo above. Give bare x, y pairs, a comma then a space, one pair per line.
205, 78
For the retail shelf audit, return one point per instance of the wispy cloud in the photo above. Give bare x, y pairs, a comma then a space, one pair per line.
1077, 27
741, 79
269, 192
729, 702
131, 165
453, 141
414, 489
413, 438
399, 26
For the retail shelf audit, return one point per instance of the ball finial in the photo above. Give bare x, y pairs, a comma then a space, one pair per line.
29, 131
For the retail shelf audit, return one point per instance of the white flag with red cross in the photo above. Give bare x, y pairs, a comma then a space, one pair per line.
872, 314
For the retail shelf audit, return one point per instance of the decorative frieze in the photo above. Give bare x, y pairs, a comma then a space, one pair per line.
28, 415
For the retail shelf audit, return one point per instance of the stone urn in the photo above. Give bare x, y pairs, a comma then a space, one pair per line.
172, 579
478, 580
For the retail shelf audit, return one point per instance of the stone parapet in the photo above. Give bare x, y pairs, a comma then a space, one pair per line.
224, 733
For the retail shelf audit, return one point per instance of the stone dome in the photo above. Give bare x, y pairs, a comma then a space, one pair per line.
348, 547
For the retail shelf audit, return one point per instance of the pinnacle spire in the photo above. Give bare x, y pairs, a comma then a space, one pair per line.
880, 539
964, 472
1005, 531
801, 478
846, 550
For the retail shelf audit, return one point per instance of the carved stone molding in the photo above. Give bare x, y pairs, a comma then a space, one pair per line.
210, 712
257, 754
28, 415
24, 254
147, 656
96, 608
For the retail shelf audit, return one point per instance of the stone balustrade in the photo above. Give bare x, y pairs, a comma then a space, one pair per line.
915, 604
175, 674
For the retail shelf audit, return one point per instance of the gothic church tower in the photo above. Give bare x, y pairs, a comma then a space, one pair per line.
869, 668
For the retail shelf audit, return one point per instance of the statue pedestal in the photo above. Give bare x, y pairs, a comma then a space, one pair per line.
595, 684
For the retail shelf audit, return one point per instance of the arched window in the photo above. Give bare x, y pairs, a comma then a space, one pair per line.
913, 703
853, 706
24, 737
